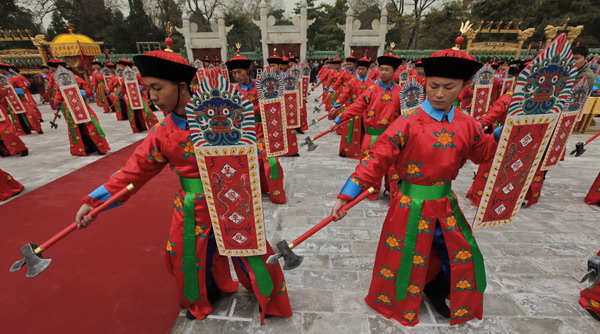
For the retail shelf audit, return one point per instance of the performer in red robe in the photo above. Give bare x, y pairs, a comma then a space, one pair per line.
43, 81
593, 195
420, 74
99, 86
139, 119
378, 106
28, 121
350, 143
9, 187
271, 173
167, 76
10, 143
27, 97
86, 137
424, 222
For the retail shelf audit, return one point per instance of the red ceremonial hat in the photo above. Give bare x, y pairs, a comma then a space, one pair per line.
419, 64
274, 59
238, 61
335, 61
285, 60
111, 65
5, 66
56, 63
125, 62
389, 58
207, 58
452, 63
165, 64
351, 58
364, 61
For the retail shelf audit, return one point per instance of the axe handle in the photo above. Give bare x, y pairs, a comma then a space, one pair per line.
592, 138
328, 131
329, 219
94, 212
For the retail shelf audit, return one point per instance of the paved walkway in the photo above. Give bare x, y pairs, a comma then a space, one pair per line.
533, 266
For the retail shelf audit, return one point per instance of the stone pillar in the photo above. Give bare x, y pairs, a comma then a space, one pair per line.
264, 34
186, 30
348, 32
303, 30
382, 30
222, 36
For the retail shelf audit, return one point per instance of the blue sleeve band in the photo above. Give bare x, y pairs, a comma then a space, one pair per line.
497, 133
351, 189
19, 91
101, 194
336, 105
337, 120
331, 90
82, 92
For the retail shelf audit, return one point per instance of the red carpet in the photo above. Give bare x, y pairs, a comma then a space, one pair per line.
108, 278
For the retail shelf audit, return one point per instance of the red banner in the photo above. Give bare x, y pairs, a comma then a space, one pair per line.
69, 89
481, 101
276, 143
292, 109
12, 98
132, 88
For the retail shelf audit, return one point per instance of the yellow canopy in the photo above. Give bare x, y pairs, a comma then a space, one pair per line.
73, 45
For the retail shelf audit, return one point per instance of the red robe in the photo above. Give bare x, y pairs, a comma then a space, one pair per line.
590, 298
427, 154
378, 108
30, 120
139, 119
593, 196
85, 137
496, 113
99, 87
10, 143
114, 95
270, 180
351, 140
8, 186
168, 143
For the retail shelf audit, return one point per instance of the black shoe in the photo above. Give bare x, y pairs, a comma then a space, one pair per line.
214, 295
25, 153
436, 291
294, 155
40, 132
594, 315
189, 315
41, 120
300, 131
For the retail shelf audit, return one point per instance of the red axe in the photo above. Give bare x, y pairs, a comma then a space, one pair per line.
32, 254
309, 141
290, 259
579, 146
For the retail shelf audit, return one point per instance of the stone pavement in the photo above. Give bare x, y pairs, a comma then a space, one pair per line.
533, 266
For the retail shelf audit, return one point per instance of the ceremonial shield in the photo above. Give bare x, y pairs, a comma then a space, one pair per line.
305, 80
69, 89
270, 97
222, 130
12, 98
482, 92
565, 125
132, 88
542, 91
404, 75
507, 83
594, 66
411, 96
292, 102
224, 71
201, 72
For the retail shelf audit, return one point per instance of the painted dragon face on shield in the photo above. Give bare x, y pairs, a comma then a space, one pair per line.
221, 120
543, 88
486, 77
579, 97
3, 81
271, 88
65, 79
289, 83
404, 76
412, 97
129, 75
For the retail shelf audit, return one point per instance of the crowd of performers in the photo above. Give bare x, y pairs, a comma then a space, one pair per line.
426, 246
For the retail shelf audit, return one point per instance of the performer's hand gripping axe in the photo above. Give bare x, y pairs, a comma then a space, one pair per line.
32, 254
290, 259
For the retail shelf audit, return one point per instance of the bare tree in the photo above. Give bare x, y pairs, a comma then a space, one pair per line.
203, 10
420, 6
39, 8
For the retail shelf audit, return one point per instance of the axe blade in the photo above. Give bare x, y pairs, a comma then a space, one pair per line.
291, 260
36, 264
53, 125
313, 122
316, 110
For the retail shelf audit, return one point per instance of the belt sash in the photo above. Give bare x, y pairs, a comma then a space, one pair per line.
374, 133
418, 195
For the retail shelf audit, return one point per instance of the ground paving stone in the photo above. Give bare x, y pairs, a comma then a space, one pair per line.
533, 265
